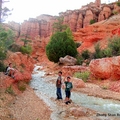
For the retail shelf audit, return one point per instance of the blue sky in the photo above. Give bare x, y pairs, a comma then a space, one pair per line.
25, 9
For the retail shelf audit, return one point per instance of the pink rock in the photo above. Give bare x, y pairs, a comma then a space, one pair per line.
78, 83
105, 13
88, 16
106, 68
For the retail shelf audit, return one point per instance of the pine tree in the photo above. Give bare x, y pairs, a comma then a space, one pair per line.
4, 11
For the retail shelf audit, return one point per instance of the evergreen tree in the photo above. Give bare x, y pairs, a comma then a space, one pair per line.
60, 45
4, 11
6, 39
59, 26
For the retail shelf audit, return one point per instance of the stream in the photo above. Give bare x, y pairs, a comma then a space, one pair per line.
47, 91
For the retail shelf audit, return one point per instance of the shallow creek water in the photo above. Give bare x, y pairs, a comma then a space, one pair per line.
46, 90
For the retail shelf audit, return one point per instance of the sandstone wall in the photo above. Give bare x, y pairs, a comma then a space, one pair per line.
42, 25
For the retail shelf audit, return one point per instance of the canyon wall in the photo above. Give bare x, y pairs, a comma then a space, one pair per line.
41, 26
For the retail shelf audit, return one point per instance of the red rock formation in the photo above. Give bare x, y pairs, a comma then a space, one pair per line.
88, 17
30, 28
116, 9
79, 21
105, 13
116, 31
106, 68
23, 64
75, 19
98, 3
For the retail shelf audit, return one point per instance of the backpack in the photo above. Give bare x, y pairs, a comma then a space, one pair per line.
6, 72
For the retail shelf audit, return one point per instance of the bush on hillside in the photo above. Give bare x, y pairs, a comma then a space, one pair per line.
26, 49
85, 54
60, 45
114, 45
2, 67
107, 52
6, 39
115, 12
78, 44
14, 47
80, 59
118, 4
92, 21
98, 52
3, 53
82, 75
58, 26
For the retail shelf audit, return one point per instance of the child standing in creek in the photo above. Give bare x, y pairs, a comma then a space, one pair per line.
68, 88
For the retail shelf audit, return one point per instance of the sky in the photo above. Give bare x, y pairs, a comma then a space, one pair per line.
25, 9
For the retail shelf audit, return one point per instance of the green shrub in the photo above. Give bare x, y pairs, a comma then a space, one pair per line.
80, 60
82, 75
92, 21
2, 67
85, 54
107, 52
26, 49
118, 3
114, 45
78, 44
14, 48
6, 39
21, 86
58, 26
60, 45
115, 12
3, 53
9, 90
98, 52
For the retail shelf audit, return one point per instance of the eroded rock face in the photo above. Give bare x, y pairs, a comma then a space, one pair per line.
42, 25
79, 22
23, 64
105, 13
88, 17
30, 28
19, 60
106, 68
98, 3
73, 17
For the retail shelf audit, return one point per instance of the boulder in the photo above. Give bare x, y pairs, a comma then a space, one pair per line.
78, 83
106, 68
25, 76
68, 60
